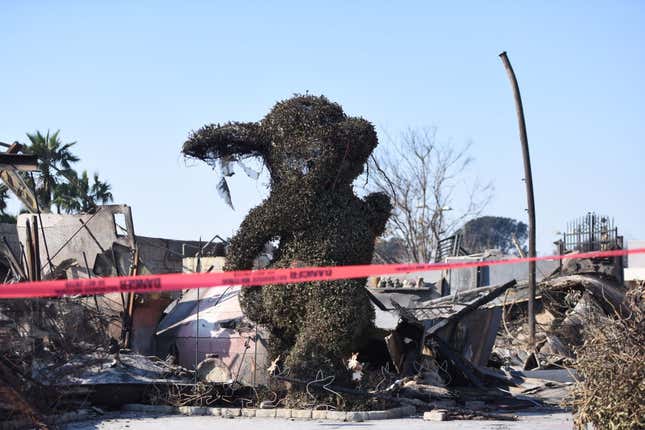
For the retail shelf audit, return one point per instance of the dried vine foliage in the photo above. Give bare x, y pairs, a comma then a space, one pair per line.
610, 364
313, 152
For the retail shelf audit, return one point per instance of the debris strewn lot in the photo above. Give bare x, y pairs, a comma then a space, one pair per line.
437, 364
439, 348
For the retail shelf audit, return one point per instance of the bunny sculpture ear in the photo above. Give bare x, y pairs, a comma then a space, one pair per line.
226, 145
235, 140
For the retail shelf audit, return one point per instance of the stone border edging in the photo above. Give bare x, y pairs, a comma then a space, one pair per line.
306, 414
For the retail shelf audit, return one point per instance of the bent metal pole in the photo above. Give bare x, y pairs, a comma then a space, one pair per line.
528, 179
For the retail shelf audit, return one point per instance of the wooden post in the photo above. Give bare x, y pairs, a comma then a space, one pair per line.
36, 253
528, 179
134, 270
29, 252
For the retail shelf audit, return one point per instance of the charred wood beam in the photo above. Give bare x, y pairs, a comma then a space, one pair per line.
36, 250
21, 162
379, 304
29, 251
14, 261
492, 295
42, 228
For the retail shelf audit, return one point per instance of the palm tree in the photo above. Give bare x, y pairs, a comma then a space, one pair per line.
65, 196
78, 195
100, 191
54, 160
4, 196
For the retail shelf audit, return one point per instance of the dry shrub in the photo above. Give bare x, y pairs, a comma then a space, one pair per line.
610, 393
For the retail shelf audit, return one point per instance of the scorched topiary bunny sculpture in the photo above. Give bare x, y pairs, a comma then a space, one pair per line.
313, 152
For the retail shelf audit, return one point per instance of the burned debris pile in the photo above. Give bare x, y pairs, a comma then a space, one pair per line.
460, 356
33, 332
472, 346
567, 303
59, 354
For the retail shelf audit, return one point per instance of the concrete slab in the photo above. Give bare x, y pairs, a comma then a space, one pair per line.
139, 421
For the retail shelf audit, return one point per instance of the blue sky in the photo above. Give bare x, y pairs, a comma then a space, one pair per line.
129, 80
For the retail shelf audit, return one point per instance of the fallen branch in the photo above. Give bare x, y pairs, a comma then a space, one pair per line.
359, 393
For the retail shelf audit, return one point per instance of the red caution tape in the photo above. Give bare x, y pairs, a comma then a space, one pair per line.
182, 281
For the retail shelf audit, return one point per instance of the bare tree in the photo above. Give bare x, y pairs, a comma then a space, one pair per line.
424, 178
